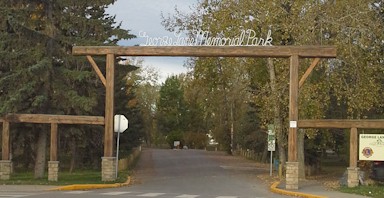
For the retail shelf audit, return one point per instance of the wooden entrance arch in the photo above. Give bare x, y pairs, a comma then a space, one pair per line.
294, 53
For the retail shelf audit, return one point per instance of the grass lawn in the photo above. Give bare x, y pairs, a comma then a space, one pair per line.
336, 168
65, 178
376, 190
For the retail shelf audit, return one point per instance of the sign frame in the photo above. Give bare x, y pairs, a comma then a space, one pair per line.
371, 147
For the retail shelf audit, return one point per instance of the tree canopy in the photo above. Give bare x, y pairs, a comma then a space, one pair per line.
344, 88
38, 74
231, 99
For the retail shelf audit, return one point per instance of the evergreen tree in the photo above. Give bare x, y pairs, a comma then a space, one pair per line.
38, 74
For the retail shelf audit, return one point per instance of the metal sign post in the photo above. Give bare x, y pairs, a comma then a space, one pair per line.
271, 144
117, 148
121, 124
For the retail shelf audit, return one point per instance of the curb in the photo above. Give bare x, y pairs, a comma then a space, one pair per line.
91, 186
274, 189
97, 186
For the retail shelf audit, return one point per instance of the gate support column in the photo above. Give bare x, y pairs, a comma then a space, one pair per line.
53, 170
5, 163
5, 169
353, 170
292, 176
292, 173
53, 164
107, 163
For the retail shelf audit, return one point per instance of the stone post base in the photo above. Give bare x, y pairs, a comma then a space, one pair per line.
5, 169
292, 176
53, 170
353, 177
108, 168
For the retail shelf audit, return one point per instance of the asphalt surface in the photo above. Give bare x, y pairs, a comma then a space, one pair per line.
182, 174
197, 172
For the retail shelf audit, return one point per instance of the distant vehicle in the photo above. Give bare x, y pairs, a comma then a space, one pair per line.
377, 171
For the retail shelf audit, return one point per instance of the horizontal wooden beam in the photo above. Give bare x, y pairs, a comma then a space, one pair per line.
59, 119
342, 124
210, 51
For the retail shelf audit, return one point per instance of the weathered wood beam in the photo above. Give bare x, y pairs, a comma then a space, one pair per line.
97, 69
5, 141
293, 108
210, 51
109, 106
353, 147
308, 71
60, 119
53, 145
342, 124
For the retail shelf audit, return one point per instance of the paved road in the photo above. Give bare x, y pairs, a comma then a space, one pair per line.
196, 172
180, 174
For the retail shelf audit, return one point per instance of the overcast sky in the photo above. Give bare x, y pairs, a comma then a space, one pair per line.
145, 15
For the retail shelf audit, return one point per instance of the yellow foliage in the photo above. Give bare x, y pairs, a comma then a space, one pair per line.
38, 12
132, 103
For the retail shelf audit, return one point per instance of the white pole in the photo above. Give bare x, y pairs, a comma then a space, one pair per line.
270, 170
117, 146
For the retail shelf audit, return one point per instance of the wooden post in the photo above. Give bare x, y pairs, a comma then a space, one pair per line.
353, 148
53, 151
293, 108
53, 164
5, 141
109, 105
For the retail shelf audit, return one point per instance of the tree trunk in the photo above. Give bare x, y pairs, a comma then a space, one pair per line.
281, 140
300, 150
41, 153
73, 155
264, 157
27, 157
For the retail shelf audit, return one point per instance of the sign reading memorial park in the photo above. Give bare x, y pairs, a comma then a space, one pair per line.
371, 147
203, 38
